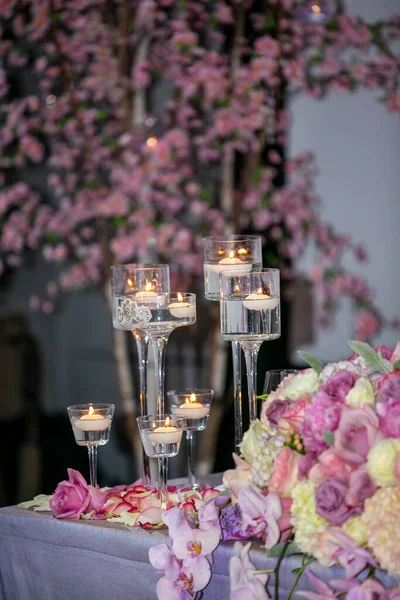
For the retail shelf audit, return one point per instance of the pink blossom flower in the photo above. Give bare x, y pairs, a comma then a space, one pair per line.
245, 582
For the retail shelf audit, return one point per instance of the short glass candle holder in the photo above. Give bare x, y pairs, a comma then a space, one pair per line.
193, 405
91, 424
161, 437
234, 253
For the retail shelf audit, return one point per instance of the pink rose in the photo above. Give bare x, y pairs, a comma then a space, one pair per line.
293, 416
331, 464
71, 498
357, 432
236, 479
284, 473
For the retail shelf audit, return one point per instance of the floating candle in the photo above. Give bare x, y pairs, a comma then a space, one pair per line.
231, 263
166, 435
181, 309
92, 421
147, 295
191, 409
260, 301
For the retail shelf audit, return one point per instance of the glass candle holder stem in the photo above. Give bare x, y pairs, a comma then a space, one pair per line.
251, 355
163, 480
92, 452
191, 459
159, 344
237, 393
142, 344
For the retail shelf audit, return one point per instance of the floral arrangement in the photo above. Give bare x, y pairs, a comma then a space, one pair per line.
318, 475
129, 179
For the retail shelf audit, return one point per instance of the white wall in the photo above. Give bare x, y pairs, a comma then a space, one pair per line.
357, 144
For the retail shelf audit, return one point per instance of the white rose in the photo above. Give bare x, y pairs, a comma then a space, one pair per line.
303, 383
362, 393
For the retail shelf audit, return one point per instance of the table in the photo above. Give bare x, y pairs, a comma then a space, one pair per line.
42, 558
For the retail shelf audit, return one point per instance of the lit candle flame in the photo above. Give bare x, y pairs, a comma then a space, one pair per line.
193, 397
91, 410
167, 422
148, 287
130, 282
259, 291
180, 297
238, 288
231, 254
242, 251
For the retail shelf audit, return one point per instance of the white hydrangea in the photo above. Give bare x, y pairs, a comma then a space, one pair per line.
358, 366
260, 447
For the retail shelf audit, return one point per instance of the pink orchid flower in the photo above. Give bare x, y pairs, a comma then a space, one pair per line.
188, 542
261, 514
323, 589
349, 555
180, 578
245, 583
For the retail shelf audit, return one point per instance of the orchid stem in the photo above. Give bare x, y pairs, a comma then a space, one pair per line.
297, 578
278, 564
263, 572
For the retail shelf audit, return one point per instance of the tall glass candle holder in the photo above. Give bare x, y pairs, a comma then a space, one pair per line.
239, 254
157, 318
144, 283
250, 315
161, 438
91, 424
193, 405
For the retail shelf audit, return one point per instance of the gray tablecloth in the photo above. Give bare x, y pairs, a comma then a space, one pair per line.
42, 558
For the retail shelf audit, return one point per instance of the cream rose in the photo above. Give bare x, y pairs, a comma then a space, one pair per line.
362, 393
381, 461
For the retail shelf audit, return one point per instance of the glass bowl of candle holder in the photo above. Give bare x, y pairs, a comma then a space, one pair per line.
234, 253
161, 437
250, 315
193, 405
91, 424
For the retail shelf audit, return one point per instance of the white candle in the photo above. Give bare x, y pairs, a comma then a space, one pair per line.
165, 435
181, 309
260, 302
92, 422
192, 410
231, 263
146, 296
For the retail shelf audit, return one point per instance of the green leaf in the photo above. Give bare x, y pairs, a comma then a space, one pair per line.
277, 550
396, 365
206, 194
372, 358
51, 238
262, 397
271, 22
328, 437
314, 362
102, 115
